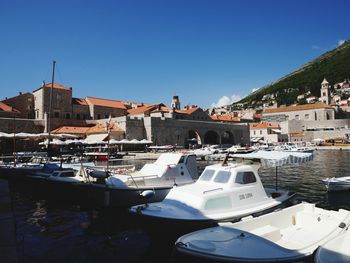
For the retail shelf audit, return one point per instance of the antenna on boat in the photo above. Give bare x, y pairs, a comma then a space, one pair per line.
224, 162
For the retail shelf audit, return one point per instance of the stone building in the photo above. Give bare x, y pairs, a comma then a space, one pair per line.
325, 92
309, 112
8, 111
267, 132
155, 122
80, 108
60, 98
103, 108
24, 103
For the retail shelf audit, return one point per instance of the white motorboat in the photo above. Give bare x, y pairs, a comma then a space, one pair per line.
287, 235
335, 251
222, 192
225, 192
151, 184
337, 183
202, 153
239, 149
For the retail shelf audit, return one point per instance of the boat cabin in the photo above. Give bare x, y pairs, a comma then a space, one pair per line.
220, 188
175, 168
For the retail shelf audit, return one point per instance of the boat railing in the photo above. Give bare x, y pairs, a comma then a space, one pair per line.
212, 190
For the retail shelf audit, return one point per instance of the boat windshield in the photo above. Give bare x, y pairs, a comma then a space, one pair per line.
207, 175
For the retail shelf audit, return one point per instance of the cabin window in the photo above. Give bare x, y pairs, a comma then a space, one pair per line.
207, 175
68, 174
245, 178
222, 177
182, 159
223, 202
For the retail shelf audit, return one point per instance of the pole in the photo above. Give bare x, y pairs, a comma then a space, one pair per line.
276, 178
14, 140
50, 105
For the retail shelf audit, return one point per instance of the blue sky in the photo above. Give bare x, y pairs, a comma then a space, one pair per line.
148, 50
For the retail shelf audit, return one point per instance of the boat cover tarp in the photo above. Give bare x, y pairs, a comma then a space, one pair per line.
277, 158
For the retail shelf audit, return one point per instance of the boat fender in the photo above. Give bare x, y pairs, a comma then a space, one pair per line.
147, 193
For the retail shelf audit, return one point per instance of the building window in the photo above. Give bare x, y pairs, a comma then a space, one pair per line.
106, 116
56, 114
260, 132
254, 132
324, 94
307, 116
84, 117
78, 116
297, 117
98, 116
67, 115
37, 114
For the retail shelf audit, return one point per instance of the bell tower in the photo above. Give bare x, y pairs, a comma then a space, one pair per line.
175, 103
325, 96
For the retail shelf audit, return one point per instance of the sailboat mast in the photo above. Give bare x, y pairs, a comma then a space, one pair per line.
50, 106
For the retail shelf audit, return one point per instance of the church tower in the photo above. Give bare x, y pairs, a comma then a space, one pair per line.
325, 92
175, 103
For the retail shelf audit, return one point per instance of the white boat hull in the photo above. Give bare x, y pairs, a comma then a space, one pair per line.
336, 250
337, 183
290, 234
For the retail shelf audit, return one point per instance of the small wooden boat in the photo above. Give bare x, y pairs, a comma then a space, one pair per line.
337, 183
287, 235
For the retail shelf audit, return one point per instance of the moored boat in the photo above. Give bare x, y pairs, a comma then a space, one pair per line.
287, 235
222, 192
337, 183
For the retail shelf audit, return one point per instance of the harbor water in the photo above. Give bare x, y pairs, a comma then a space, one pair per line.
58, 230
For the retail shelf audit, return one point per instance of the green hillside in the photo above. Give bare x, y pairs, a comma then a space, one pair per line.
334, 65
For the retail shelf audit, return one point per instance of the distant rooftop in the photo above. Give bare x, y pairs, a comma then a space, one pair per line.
317, 105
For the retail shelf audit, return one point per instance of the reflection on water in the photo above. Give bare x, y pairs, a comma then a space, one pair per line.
53, 231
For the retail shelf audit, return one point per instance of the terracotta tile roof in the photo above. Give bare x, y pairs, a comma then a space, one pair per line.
7, 108
225, 117
263, 125
71, 130
142, 109
188, 111
317, 105
55, 86
106, 103
79, 101
98, 128
162, 108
